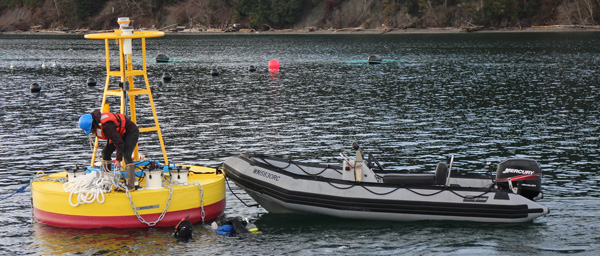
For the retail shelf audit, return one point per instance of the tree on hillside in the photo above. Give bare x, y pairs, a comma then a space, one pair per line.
264, 14
497, 13
269, 13
397, 13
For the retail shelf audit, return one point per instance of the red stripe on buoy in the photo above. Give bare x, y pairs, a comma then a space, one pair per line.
171, 219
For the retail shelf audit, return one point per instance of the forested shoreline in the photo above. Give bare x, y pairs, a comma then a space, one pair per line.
261, 15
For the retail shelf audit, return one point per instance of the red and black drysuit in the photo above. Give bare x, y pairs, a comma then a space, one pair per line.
122, 134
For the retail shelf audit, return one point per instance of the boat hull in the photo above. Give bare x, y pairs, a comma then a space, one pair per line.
51, 204
280, 191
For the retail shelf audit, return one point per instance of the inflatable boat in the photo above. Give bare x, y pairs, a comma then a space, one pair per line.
361, 189
96, 197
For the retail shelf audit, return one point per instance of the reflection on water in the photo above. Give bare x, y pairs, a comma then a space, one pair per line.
481, 97
65, 241
411, 238
51, 241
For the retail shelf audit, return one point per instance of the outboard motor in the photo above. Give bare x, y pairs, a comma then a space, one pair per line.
525, 176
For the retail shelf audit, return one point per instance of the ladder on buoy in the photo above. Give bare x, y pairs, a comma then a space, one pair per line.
123, 37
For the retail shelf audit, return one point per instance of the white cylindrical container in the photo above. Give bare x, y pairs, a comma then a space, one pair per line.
127, 48
72, 174
123, 22
153, 179
180, 175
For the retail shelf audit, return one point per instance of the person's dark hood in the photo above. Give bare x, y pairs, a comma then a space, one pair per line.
96, 114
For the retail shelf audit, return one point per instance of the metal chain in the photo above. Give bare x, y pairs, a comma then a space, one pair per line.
203, 214
162, 215
40, 176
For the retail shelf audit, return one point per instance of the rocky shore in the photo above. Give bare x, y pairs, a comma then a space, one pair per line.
308, 31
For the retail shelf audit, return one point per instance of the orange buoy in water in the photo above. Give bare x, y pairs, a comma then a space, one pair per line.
273, 66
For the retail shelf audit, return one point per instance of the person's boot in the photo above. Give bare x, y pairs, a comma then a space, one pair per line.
130, 176
106, 165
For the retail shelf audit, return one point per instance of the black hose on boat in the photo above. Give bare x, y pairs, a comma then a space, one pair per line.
253, 205
290, 162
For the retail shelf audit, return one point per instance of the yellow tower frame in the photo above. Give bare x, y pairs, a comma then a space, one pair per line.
126, 73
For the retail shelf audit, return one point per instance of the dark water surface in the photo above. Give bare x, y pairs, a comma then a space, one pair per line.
481, 97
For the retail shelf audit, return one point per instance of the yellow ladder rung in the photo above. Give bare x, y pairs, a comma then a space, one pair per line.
148, 129
119, 92
114, 73
134, 73
116, 92
127, 73
138, 91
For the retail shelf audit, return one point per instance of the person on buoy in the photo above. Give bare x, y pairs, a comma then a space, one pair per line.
122, 134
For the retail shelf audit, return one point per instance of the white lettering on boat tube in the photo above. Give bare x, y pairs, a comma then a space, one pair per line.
267, 175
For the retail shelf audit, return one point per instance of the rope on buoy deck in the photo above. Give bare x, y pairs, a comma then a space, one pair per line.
89, 188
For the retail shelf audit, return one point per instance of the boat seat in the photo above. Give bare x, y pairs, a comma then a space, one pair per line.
419, 179
441, 174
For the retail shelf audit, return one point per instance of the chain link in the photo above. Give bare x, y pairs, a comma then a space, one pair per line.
40, 176
203, 214
162, 215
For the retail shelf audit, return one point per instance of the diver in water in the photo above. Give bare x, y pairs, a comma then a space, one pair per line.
234, 226
184, 229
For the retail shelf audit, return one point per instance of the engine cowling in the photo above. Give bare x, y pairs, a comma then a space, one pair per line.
525, 175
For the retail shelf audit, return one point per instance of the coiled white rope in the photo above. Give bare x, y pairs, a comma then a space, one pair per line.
90, 187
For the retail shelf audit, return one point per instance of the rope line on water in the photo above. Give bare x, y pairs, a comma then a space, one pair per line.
20, 190
236, 196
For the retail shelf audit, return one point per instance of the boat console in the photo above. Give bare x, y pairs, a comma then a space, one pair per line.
357, 170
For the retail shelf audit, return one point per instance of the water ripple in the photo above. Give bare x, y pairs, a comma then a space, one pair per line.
481, 97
